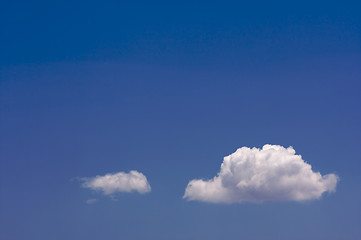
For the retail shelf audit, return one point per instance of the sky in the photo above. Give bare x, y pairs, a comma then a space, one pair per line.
180, 120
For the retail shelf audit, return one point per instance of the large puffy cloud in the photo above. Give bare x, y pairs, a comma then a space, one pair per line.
118, 182
257, 175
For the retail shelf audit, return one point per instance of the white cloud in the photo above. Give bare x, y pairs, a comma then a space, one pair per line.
257, 175
91, 201
118, 182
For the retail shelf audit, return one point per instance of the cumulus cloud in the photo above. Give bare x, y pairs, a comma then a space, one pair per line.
91, 201
257, 175
118, 182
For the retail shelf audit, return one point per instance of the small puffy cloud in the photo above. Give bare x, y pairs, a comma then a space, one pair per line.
91, 201
118, 182
256, 175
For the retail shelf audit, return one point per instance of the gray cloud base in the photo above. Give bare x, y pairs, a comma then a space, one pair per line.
256, 175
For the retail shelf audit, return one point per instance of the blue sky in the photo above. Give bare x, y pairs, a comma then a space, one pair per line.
169, 90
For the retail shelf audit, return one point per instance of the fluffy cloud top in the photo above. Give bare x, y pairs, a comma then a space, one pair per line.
118, 182
257, 175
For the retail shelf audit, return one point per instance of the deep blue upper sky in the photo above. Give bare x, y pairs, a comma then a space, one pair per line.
169, 89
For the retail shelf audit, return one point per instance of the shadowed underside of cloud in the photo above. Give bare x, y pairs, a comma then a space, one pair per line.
257, 175
118, 182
